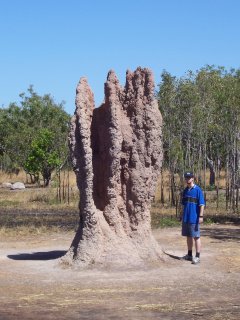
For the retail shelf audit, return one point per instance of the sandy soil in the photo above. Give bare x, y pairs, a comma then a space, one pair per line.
32, 286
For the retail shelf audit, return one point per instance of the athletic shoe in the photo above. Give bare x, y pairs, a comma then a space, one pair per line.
195, 260
187, 257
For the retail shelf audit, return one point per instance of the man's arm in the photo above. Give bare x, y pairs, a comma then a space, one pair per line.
181, 213
201, 214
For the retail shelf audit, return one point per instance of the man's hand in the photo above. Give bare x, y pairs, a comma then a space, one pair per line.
200, 219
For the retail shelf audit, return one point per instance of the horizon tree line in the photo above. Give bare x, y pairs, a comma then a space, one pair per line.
201, 131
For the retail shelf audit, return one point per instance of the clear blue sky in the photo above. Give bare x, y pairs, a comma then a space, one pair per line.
52, 43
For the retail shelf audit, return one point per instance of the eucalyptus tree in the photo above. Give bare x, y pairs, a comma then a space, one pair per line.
189, 119
208, 82
172, 139
229, 105
201, 116
178, 102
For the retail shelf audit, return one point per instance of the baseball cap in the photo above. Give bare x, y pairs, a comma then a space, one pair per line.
188, 175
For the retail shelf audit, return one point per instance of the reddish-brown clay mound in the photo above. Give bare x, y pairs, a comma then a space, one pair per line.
117, 155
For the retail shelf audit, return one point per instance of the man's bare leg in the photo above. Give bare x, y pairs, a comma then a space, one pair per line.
189, 243
197, 245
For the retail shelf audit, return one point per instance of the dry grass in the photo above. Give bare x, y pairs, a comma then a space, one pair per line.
23, 177
35, 197
39, 198
38, 209
7, 177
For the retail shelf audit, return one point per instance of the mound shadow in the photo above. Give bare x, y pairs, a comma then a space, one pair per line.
172, 256
49, 255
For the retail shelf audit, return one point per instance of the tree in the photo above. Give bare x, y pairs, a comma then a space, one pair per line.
202, 127
21, 125
43, 157
13, 128
171, 131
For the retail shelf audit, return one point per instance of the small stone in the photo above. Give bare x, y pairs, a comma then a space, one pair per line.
6, 185
17, 186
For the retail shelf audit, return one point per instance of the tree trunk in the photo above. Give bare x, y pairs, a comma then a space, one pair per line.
162, 188
227, 183
47, 172
212, 172
117, 155
204, 174
218, 178
237, 169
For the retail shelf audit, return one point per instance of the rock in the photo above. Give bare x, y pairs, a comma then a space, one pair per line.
17, 186
6, 185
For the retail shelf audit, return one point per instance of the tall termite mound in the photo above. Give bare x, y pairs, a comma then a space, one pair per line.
116, 151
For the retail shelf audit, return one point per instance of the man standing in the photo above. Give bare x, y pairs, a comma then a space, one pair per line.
192, 215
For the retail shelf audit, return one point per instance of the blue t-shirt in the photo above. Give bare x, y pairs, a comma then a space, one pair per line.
192, 200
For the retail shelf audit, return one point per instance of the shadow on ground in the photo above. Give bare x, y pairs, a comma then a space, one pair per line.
172, 256
50, 255
224, 234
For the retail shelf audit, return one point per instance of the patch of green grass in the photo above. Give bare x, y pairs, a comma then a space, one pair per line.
210, 188
223, 219
164, 221
8, 203
208, 220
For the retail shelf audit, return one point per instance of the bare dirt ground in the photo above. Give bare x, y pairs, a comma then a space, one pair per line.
32, 286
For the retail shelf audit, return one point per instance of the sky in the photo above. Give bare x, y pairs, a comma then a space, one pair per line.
51, 44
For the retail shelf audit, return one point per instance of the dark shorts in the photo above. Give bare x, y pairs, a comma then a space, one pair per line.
190, 230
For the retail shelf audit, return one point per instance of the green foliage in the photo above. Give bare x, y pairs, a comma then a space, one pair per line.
201, 125
12, 123
7, 203
43, 157
37, 127
210, 188
164, 221
200, 109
